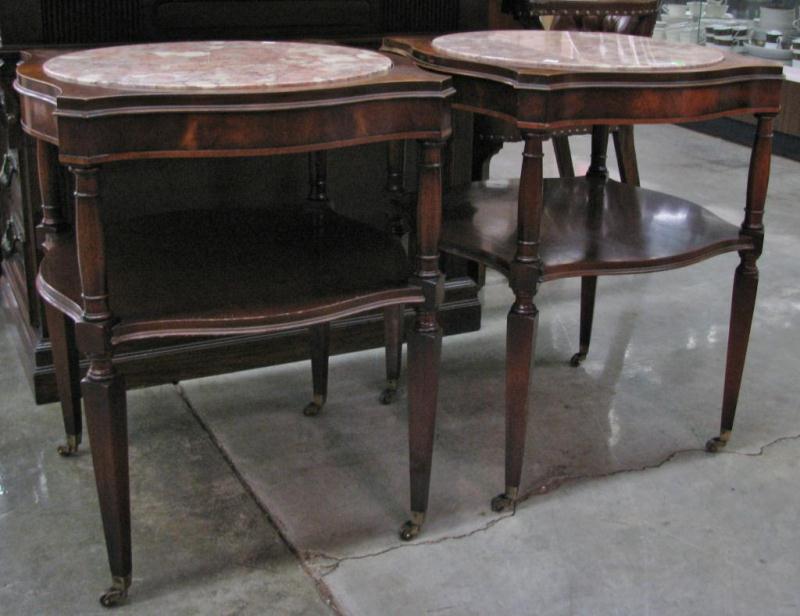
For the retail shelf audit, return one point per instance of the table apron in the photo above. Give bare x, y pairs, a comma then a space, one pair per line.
614, 105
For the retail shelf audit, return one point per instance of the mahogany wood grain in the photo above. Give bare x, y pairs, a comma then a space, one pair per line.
624, 145
589, 227
553, 99
106, 416
745, 281
61, 329
66, 360
229, 271
594, 226
563, 156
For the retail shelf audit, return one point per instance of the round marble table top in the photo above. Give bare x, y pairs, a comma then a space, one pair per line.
215, 65
574, 50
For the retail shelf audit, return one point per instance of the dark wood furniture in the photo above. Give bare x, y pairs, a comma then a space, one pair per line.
46, 23
635, 17
594, 226
193, 273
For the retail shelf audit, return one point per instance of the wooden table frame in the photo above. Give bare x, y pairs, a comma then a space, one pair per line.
540, 101
88, 127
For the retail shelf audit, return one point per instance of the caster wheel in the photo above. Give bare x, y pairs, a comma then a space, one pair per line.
409, 530
117, 593
113, 597
715, 445
502, 503
576, 359
388, 396
312, 409
71, 448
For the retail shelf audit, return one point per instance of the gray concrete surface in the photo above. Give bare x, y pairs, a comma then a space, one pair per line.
622, 512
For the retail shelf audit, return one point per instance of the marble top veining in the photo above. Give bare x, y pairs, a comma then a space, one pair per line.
215, 64
574, 50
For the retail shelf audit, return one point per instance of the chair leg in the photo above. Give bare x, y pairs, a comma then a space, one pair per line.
68, 377
588, 291
626, 155
106, 419
520, 345
745, 285
563, 156
320, 351
424, 351
393, 338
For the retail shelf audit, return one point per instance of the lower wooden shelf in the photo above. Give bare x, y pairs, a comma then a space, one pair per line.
589, 227
222, 272
154, 361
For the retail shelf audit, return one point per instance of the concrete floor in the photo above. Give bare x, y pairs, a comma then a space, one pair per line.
622, 511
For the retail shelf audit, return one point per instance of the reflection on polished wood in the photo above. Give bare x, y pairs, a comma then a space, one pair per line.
257, 272
594, 226
228, 271
589, 227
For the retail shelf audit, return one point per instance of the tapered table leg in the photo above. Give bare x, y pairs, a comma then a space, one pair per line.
523, 317
425, 340
106, 418
745, 281
68, 377
393, 337
424, 352
598, 171
320, 352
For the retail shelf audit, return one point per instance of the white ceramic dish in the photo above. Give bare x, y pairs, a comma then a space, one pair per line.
767, 53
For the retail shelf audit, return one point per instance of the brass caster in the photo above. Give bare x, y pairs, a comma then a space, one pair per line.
409, 530
505, 501
388, 395
577, 359
717, 444
117, 593
70, 448
412, 528
314, 407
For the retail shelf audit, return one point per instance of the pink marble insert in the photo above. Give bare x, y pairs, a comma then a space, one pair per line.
574, 50
216, 64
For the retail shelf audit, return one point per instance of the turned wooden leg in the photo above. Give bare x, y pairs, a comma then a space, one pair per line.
523, 316
520, 345
588, 292
563, 156
106, 419
745, 281
425, 341
424, 351
626, 155
68, 377
320, 351
54, 224
393, 337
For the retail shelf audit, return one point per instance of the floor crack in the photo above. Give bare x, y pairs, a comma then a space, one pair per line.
555, 482
325, 593
552, 484
338, 560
